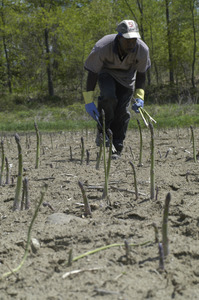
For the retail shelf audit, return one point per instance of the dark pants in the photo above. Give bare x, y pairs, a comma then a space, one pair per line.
114, 99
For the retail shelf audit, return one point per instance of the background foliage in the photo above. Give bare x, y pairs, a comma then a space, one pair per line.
44, 43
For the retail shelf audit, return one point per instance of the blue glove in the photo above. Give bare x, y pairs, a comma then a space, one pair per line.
92, 110
138, 103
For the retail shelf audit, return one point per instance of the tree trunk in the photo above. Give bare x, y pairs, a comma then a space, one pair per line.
9, 81
49, 73
194, 45
140, 7
132, 12
171, 77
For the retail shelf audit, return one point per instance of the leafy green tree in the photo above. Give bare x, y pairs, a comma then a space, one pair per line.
44, 43
9, 51
183, 39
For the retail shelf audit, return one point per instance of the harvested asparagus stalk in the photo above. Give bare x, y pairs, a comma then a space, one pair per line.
148, 115
142, 116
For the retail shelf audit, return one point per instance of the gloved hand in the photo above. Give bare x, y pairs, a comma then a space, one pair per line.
90, 105
138, 103
92, 110
139, 100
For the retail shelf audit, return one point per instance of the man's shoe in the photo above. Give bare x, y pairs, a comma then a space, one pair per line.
116, 155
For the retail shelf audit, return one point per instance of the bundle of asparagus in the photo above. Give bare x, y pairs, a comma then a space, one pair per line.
144, 114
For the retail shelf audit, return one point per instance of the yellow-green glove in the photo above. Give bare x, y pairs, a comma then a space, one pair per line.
88, 97
139, 94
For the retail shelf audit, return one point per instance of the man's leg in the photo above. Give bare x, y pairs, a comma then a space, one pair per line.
114, 100
107, 99
121, 116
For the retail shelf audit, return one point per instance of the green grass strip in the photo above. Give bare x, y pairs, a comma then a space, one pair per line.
74, 117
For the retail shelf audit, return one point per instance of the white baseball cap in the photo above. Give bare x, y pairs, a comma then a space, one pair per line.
128, 29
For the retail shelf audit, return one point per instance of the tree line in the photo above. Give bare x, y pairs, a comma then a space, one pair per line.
44, 44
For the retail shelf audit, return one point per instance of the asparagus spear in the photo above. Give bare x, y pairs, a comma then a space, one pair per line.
18, 190
135, 180
165, 240
2, 162
193, 141
38, 146
152, 171
141, 143
87, 208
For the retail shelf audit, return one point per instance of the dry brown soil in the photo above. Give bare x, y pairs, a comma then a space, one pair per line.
106, 274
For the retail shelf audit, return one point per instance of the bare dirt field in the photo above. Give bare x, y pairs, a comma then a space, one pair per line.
61, 225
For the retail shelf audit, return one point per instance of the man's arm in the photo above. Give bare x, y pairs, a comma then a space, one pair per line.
88, 95
140, 85
91, 81
139, 91
140, 80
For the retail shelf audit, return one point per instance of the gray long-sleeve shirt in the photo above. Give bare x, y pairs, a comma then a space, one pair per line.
104, 57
